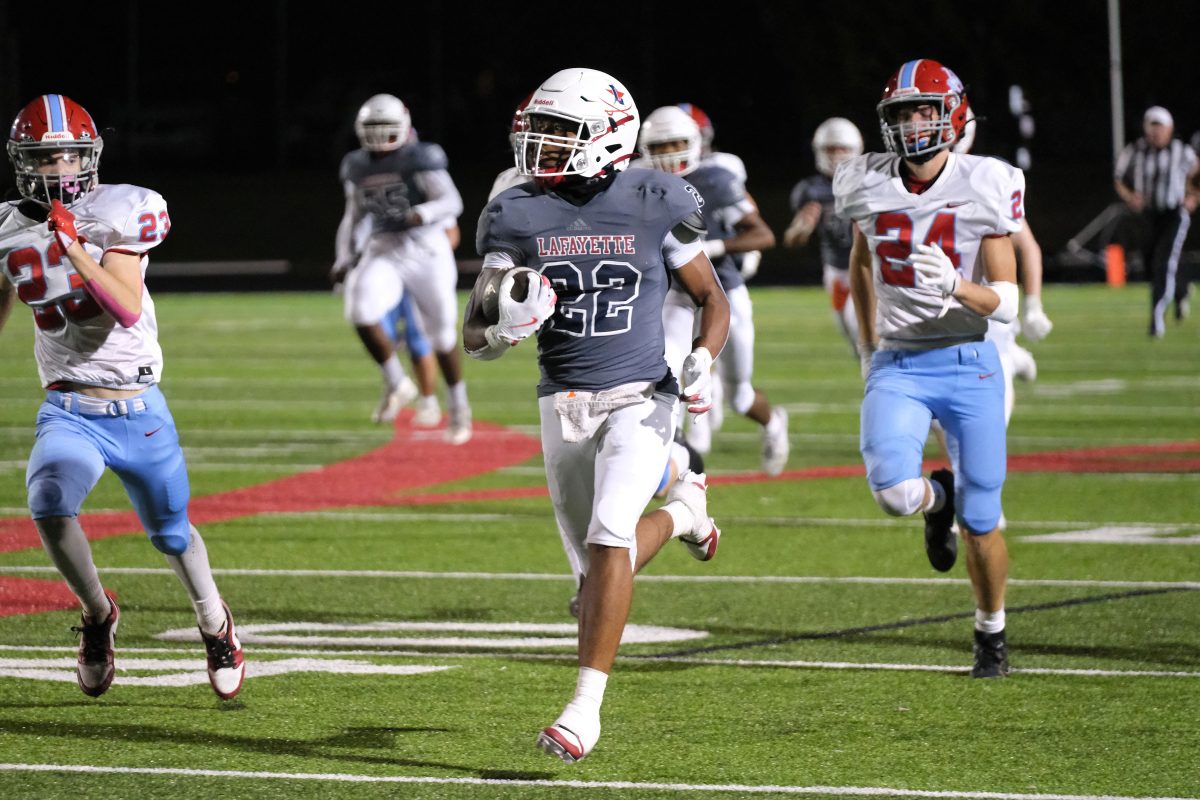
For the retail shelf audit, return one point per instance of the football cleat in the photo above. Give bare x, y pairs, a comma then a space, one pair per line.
775, 444
691, 489
428, 413
991, 655
393, 400
571, 737
459, 429
941, 543
226, 664
94, 669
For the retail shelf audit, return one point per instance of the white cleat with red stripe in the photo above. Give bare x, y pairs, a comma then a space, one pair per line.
571, 737
691, 489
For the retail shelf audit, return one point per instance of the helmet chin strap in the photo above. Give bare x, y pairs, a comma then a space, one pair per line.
578, 190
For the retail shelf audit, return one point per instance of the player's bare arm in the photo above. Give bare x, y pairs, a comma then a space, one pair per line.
804, 223
474, 323
1029, 260
700, 282
752, 233
8, 294
862, 289
115, 282
999, 266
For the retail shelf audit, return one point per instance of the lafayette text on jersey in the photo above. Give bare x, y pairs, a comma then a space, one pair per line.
74, 339
973, 198
605, 260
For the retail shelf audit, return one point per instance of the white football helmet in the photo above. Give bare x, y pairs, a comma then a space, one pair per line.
966, 139
579, 122
835, 132
667, 125
383, 124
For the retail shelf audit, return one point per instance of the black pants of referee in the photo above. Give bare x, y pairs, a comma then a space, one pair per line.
1165, 232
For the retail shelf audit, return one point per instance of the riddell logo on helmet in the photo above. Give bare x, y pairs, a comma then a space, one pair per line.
58, 136
542, 102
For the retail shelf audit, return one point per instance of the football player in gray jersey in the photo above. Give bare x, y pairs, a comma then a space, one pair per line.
580, 256
835, 140
671, 143
400, 189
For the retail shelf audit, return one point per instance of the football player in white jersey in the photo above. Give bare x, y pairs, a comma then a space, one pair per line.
671, 142
403, 187
932, 262
76, 251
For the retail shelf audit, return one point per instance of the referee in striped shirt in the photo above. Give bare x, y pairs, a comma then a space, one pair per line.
1156, 177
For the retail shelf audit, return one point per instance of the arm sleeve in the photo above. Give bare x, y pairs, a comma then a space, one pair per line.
677, 253
344, 242
443, 200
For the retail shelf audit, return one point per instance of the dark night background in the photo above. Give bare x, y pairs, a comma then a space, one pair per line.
240, 113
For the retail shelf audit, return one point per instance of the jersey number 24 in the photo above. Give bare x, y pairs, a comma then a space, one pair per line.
895, 230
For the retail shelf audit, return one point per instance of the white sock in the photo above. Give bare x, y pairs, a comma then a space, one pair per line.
393, 372
589, 690
68, 548
682, 518
456, 395
989, 622
194, 572
428, 401
938, 493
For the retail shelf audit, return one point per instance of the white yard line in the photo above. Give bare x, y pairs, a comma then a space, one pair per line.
260, 650
551, 576
632, 786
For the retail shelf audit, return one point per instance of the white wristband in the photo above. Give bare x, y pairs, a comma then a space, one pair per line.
1032, 303
1006, 310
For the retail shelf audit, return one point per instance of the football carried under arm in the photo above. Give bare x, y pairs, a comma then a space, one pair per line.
507, 306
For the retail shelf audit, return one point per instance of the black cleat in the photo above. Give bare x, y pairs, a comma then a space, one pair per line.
941, 545
991, 655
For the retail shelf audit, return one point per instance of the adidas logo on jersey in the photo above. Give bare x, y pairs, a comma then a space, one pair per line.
579, 225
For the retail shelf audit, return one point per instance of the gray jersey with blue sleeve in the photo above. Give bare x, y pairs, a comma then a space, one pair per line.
605, 260
384, 188
836, 235
725, 203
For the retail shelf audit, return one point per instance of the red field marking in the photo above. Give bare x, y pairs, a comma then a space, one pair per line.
31, 596
386, 477
411, 460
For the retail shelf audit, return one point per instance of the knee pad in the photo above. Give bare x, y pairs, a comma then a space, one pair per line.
53, 498
742, 397
903, 498
172, 541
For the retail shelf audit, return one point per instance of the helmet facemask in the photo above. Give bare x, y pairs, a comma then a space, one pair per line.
555, 146
919, 135
382, 136
48, 171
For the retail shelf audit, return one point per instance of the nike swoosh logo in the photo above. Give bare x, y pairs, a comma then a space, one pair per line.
533, 321
985, 377
156, 430
957, 203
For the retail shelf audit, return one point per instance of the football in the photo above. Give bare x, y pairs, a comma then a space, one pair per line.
491, 292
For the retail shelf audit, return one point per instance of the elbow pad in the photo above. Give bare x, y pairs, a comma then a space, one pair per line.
1006, 311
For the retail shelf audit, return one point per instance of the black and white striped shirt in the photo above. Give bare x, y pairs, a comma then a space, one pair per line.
1158, 175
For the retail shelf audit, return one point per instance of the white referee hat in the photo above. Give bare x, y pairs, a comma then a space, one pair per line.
1159, 115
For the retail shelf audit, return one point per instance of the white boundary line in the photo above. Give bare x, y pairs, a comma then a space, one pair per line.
571, 658
549, 576
336, 777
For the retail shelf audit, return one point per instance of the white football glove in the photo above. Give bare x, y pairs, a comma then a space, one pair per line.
750, 261
934, 269
1034, 322
697, 381
520, 320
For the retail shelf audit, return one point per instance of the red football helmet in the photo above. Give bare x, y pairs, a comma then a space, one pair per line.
55, 150
922, 83
705, 124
